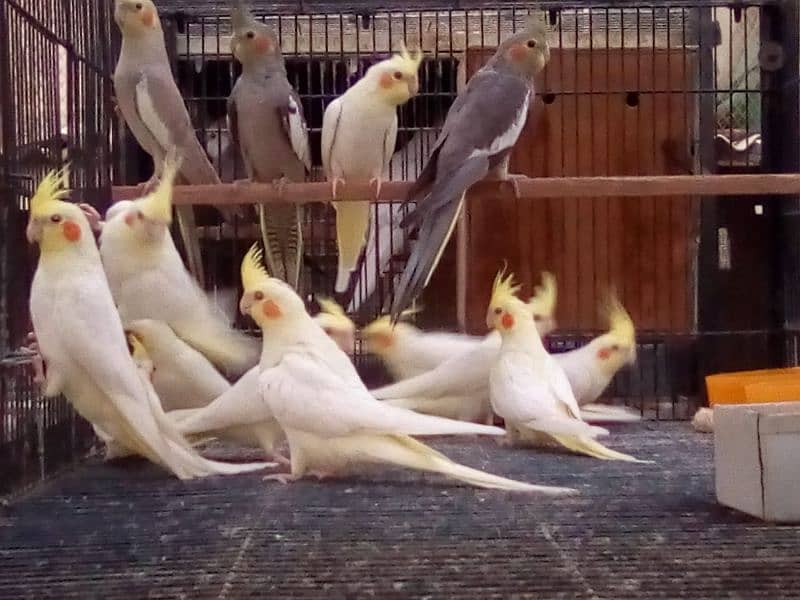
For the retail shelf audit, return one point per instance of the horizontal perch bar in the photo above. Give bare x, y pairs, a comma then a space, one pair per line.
529, 188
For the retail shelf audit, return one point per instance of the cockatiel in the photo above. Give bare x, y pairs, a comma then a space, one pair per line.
267, 123
80, 337
591, 368
359, 130
148, 279
479, 132
408, 352
155, 112
528, 388
336, 324
458, 388
330, 420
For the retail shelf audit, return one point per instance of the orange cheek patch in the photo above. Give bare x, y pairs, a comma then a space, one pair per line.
72, 231
148, 18
262, 45
129, 219
387, 81
507, 321
271, 310
517, 52
603, 353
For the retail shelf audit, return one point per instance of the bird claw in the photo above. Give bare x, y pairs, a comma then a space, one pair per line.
377, 182
95, 221
513, 181
334, 184
283, 478
37, 360
280, 185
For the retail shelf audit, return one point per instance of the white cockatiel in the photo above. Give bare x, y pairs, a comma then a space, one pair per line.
591, 368
408, 352
82, 342
359, 130
528, 388
330, 420
458, 388
149, 281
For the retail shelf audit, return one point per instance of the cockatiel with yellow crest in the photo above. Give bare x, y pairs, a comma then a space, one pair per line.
81, 339
149, 281
359, 130
331, 422
458, 387
335, 322
528, 388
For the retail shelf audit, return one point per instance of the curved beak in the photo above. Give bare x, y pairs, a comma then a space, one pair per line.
33, 231
413, 86
490, 319
245, 303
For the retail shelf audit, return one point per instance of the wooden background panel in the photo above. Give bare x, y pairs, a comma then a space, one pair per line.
641, 246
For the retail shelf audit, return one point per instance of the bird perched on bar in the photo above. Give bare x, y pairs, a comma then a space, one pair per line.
82, 342
359, 130
267, 124
458, 386
591, 368
476, 140
330, 420
154, 111
149, 281
528, 388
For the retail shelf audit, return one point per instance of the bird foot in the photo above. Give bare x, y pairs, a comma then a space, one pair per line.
283, 478
281, 460
94, 218
513, 180
37, 361
321, 475
280, 185
377, 182
505, 441
334, 184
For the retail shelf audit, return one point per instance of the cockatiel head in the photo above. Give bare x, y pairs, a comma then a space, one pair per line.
506, 312
141, 357
543, 304
524, 53
395, 79
252, 41
336, 324
617, 347
136, 17
148, 219
57, 226
271, 303
381, 336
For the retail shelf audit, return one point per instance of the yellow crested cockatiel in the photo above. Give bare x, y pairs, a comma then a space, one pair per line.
476, 140
528, 388
149, 281
458, 387
82, 342
408, 351
335, 322
359, 130
331, 422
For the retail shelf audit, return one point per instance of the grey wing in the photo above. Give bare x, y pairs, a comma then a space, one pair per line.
233, 121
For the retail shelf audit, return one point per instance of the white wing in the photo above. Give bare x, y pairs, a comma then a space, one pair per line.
330, 124
389, 140
149, 115
298, 132
306, 396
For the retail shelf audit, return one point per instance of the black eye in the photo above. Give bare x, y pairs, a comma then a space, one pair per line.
56, 218
397, 75
498, 310
537, 318
258, 296
250, 35
140, 214
531, 44
139, 6
615, 347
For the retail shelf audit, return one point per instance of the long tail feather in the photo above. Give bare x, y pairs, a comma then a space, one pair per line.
593, 448
566, 426
352, 225
462, 408
603, 413
405, 451
281, 228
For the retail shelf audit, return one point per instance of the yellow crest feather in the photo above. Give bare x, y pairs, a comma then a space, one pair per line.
157, 206
253, 271
503, 287
52, 189
384, 323
405, 61
331, 307
620, 323
544, 298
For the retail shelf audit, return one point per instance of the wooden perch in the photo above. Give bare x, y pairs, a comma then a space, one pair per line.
529, 188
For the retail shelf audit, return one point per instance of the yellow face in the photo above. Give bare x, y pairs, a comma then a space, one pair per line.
58, 227
134, 16
397, 77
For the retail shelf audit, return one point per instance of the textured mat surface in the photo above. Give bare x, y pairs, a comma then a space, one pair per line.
635, 531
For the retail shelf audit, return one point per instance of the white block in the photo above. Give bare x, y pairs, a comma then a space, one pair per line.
757, 459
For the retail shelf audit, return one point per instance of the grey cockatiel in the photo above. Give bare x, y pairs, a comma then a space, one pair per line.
154, 110
267, 124
478, 135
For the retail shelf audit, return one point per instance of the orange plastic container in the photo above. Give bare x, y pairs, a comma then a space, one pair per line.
766, 385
